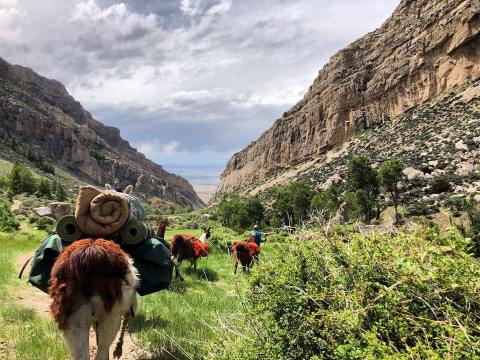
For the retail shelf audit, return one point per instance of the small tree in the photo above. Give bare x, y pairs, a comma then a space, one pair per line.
21, 180
292, 202
361, 176
44, 188
59, 191
327, 201
8, 221
255, 209
390, 174
234, 213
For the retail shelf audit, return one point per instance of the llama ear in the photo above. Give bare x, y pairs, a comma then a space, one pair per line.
108, 186
128, 190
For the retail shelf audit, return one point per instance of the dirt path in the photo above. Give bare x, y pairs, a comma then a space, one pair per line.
39, 301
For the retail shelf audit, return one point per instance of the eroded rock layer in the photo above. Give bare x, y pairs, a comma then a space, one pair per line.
40, 114
425, 49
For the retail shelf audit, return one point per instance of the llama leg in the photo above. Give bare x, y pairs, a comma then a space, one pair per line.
235, 261
117, 353
77, 332
107, 329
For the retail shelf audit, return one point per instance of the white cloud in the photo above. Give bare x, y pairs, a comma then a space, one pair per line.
216, 72
220, 8
11, 16
170, 148
189, 7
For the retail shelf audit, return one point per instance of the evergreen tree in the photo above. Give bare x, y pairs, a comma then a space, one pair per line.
21, 180
60, 192
390, 174
44, 188
362, 180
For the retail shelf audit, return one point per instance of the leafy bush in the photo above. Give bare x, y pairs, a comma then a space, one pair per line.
44, 188
327, 202
8, 222
21, 180
58, 191
3, 182
390, 174
241, 213
473, 213
362, 180
368, 298
292, 202
45, 223
440, 185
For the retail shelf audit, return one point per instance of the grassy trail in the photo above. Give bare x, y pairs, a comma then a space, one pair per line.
176, 324
24, 334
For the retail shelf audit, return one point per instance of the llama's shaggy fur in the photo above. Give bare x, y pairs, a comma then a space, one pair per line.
93, 283
188, 247
245, 252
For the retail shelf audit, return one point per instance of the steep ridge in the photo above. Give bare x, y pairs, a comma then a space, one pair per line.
425, 49
40, 114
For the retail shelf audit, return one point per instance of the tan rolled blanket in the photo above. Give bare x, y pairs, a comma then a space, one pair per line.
100, 213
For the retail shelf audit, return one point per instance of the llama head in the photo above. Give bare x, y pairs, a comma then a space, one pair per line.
207, 232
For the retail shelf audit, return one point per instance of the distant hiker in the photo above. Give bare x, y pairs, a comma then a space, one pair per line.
257, 235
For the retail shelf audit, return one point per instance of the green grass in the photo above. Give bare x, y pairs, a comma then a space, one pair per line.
175, 324
23, 333
181, 323
5, 167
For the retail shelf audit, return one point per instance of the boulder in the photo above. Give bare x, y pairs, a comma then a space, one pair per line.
465, 169
60, 209
412, 173
460, 145
332, 180
43, 211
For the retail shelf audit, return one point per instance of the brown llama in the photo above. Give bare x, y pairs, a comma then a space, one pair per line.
188, 247
246, 252
93, 283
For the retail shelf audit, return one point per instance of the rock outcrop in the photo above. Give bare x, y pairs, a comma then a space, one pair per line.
425, 49
40, 114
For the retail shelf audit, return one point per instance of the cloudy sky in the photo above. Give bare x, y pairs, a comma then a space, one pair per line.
188, 82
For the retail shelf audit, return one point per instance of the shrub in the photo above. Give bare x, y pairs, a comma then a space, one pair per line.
8, 222
59, 191
45, 223
440, 185
473, 213
371, 297
327, 202
21, 180
390, 174
241, 213
44, 188
292, 202
3, 182
362, 180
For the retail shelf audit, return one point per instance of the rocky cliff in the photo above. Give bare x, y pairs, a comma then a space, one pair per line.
425, 49
40, 114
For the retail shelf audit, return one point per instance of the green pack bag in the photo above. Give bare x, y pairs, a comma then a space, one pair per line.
152, 258
43, 261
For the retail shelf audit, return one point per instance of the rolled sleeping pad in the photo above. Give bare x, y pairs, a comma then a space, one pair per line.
134, 232
68, 229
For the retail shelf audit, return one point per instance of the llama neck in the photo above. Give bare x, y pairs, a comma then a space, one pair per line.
203, 238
